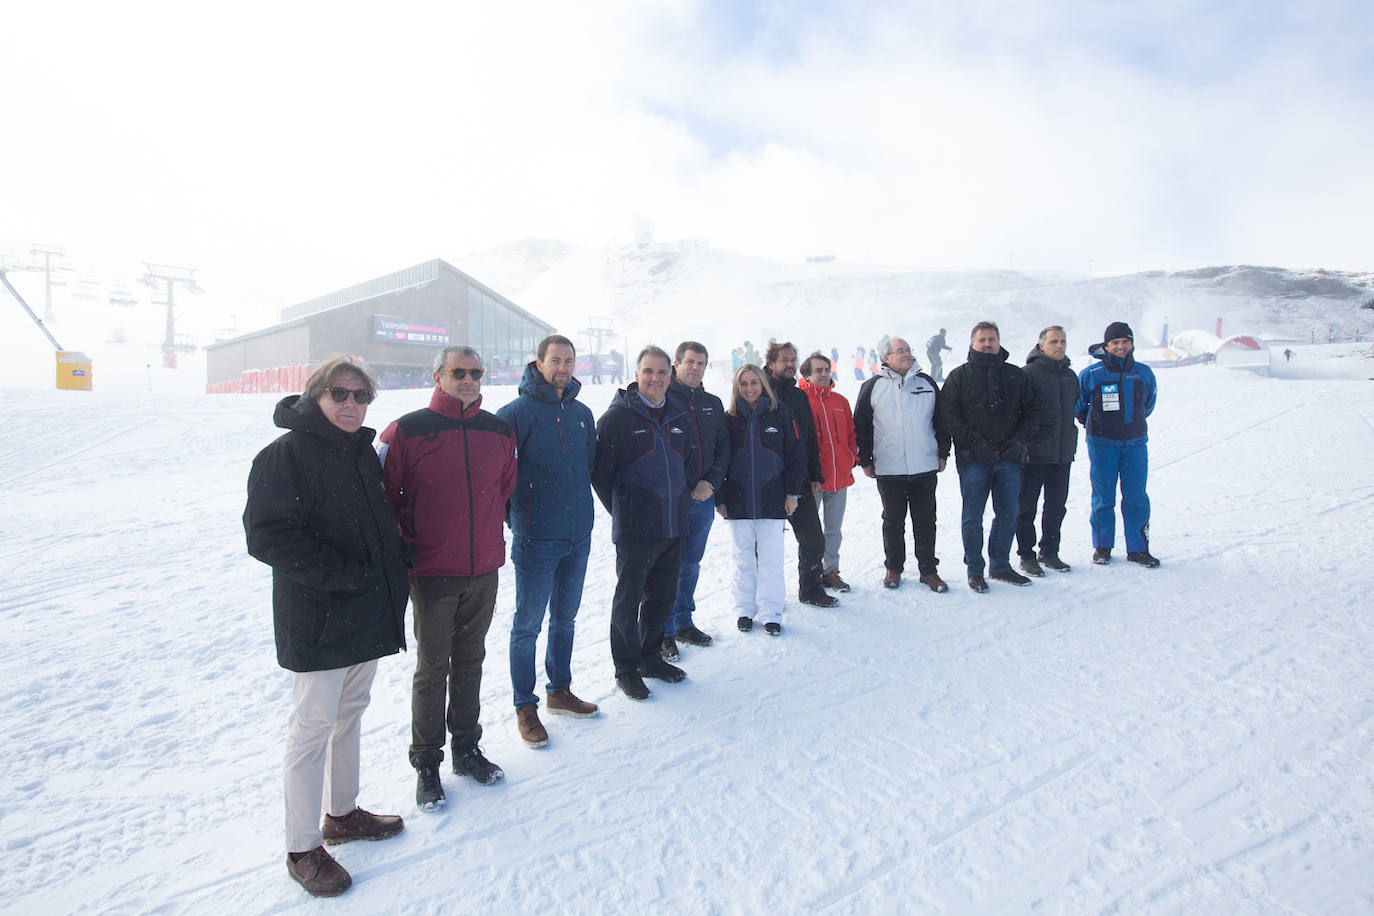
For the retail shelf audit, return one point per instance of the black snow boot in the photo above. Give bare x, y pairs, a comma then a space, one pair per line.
468, 761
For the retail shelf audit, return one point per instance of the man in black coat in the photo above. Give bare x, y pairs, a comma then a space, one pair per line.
986, 405
806, 521
643, 474
712, 441
317, 514
1053, 442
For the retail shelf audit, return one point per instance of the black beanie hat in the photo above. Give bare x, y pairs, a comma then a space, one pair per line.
1117, 329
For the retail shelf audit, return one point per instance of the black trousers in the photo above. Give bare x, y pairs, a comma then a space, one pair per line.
806, 526
1053, 479
647, 571
452, 615
903, 495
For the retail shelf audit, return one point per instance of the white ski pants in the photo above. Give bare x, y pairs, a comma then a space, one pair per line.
758, 590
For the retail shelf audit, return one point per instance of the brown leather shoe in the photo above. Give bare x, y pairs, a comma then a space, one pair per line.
934, 583
565, 703
532, 731
319, 873
892, 579
360, 825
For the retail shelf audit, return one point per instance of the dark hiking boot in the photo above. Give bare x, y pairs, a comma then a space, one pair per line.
1009, 576
429, 789
978, 584
468, 760
532, 731
1052, 561
693, 637
933, 582
660, 670
1102, 556
360, 825
832, 580
773, 629
820, 599
892, 579
1142, 557
1030, 567
745, 624
318, 872
565, 703
669, 651
632, 685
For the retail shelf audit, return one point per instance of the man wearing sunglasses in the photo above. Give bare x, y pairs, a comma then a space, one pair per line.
449, 470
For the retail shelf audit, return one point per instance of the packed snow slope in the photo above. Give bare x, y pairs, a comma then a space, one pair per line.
1197, 738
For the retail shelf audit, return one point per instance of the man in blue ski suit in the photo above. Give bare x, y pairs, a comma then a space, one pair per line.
1115, 396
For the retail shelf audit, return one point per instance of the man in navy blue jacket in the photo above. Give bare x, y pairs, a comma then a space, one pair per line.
550, 517
712, 440
643, 474
1114, 399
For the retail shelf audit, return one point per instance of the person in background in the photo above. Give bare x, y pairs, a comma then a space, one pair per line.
318, 515
933, 348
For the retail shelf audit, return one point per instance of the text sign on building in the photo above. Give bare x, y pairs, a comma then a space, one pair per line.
389, 329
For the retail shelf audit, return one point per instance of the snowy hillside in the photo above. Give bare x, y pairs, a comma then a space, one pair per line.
666, 292
688, 289
1193, 739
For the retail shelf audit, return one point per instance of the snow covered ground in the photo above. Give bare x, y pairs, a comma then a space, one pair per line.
1196, 738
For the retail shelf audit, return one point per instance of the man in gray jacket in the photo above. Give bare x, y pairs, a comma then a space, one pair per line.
902, 444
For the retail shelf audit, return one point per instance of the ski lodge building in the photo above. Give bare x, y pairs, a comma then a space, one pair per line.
395, 324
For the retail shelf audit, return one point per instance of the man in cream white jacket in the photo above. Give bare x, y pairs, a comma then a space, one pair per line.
903, 445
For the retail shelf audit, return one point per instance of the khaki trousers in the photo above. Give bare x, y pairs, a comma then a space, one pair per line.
322, 748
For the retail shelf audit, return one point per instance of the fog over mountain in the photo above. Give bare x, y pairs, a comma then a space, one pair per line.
670, 291
664, 292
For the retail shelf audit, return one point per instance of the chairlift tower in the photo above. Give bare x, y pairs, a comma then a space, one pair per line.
47, 253
599, 330
165, 278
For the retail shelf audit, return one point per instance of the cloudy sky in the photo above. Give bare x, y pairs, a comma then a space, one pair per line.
287, 149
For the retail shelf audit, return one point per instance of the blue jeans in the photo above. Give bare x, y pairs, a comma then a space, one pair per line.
1129, 466
976, 481
548, 574
698, 529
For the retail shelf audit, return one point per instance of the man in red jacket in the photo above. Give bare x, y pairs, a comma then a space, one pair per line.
449, 470
839, 447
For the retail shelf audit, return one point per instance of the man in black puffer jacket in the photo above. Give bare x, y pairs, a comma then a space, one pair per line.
986, 406
1054, 439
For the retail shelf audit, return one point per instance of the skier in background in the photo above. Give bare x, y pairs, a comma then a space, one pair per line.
933, 348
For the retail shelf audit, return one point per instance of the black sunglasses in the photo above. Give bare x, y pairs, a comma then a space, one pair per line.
360, 395
461, 374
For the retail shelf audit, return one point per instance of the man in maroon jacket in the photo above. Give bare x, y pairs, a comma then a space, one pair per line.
449, 470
